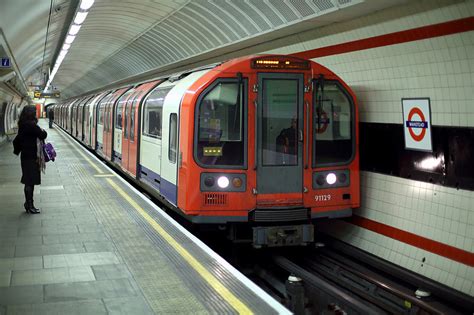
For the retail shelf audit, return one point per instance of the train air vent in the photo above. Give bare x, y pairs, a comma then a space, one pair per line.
214, 199
279, 215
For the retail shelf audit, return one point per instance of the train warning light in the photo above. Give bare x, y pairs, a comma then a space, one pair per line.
237, 182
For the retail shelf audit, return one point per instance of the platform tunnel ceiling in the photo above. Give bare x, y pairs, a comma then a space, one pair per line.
123, 39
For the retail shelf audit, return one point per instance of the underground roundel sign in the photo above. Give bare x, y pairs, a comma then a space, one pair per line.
417, 124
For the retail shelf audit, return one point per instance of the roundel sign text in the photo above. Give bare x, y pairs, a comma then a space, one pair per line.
417, 124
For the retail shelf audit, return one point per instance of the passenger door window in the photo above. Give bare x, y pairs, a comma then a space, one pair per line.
173, 139
152, 112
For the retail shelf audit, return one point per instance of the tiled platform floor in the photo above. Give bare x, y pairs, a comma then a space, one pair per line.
90, 252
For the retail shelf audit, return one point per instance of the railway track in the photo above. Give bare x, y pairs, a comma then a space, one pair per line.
340, 279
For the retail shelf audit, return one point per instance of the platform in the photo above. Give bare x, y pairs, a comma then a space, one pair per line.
99, 247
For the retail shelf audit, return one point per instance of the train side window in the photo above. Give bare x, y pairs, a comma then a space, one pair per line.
125, 119
333, 125
220, 135
101, 114
126, 127
132, 120
118, 116
173, 139
106, 117
152, 112
102, 108
120, 103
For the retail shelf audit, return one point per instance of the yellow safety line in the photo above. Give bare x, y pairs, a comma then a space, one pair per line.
104, 175
83, 155
203, 272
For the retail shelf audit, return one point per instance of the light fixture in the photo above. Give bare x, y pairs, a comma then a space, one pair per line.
74, 29
86, 4
70, 39
79, 18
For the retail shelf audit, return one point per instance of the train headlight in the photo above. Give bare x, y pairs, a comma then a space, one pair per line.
237, 182
331, 178
223, 182
209, 181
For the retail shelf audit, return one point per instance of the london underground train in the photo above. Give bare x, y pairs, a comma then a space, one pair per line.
260, 146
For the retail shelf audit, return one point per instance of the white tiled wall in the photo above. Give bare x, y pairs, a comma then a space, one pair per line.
441, 68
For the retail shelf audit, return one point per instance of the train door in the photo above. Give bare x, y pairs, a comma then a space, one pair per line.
72, 118
280, 134
126, 132
87, 123
133, 144
118, 128
130, 148
96, 136
100, 126
109, 123
108, 130
80, 120
94, 111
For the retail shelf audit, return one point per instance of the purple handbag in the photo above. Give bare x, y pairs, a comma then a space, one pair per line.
49, 152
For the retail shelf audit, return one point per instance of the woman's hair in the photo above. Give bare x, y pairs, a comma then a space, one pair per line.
27, 114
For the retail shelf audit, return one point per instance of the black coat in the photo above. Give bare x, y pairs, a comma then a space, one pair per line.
25, 142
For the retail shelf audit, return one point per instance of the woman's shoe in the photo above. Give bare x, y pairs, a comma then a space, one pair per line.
31, 208
34, 210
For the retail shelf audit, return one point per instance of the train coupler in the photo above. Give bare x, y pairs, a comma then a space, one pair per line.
275, 236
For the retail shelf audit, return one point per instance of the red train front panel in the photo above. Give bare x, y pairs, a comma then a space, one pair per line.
271, 140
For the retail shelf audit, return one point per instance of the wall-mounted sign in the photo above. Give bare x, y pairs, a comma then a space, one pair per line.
417, 124
40, 94
5, 62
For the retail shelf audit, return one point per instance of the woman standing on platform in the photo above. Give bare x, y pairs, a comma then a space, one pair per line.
29, 143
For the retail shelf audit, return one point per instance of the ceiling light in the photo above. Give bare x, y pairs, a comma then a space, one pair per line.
86, 4
80, 17
70, 39
74, 29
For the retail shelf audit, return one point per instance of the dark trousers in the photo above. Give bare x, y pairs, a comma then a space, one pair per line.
50, 123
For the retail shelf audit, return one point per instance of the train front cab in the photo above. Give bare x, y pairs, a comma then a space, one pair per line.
274, 144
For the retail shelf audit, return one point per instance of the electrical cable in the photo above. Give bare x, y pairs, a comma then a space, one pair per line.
46, 37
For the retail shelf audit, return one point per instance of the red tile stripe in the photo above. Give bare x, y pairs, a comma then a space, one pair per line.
430, 31
427, 244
